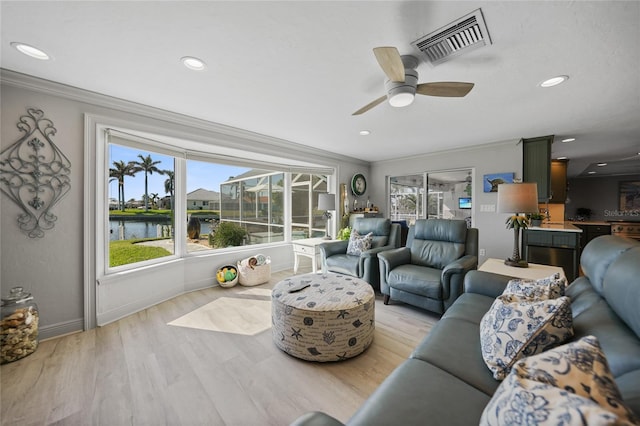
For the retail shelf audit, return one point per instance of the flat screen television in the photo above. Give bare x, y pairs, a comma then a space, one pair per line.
464, 202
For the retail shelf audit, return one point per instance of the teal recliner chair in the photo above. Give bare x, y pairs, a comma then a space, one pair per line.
386, 236
429, 272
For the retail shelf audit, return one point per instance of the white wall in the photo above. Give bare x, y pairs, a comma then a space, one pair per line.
502, 157
52, 267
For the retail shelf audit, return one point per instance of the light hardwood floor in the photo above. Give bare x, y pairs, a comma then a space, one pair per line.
141, 371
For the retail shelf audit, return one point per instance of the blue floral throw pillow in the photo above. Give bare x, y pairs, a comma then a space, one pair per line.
516, 327
550, 287
568, 385
359, 243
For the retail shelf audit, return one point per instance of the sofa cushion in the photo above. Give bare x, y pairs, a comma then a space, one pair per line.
597, 256
595, 317
417, 393
621, 296
359, 243
515, 327
416, 279
569, 385
460, 356
470, 307
550, 287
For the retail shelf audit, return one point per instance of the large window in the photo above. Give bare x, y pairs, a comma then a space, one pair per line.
306, 220
442, 189
254, 202
406, 197
162, 202
140, 205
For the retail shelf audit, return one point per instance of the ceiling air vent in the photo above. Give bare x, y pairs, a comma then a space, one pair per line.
461, 36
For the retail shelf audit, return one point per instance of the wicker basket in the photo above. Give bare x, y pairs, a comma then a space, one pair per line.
257, 275
227, 284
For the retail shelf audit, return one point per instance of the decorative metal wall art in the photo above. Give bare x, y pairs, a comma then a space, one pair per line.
34, 173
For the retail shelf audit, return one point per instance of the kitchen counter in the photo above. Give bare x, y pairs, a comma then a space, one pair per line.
554, 244
586, 222
556, 226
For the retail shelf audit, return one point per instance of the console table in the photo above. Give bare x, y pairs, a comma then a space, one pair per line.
533, 272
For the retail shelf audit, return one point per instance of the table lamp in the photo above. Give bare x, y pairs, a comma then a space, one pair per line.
517, 198
327, 202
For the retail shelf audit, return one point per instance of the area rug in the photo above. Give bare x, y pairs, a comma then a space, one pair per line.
230, 315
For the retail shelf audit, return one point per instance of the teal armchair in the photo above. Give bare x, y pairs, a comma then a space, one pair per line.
429, 271
386, 236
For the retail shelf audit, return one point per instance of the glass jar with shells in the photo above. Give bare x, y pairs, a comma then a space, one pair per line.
19, 325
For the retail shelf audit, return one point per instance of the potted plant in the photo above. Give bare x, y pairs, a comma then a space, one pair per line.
536, 219
344, 233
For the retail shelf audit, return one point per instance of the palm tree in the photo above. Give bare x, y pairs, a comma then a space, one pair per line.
118, 172
148, 166
154, 200
169, 184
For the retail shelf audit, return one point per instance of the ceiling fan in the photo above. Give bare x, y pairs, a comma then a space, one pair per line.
402, 83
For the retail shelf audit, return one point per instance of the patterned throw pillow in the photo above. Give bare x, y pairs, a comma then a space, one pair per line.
568, 385
516, 327
359, 243
550, 287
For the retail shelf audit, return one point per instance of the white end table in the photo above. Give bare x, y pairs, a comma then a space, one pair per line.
533, 272
307, 247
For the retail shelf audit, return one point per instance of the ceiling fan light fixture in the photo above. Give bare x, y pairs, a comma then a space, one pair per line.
401, 99
402, 94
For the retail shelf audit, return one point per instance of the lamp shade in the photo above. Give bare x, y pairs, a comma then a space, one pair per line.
326, 201
518, 197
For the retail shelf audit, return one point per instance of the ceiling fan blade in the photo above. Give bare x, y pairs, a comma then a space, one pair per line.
370, 105
448, 89
390, 62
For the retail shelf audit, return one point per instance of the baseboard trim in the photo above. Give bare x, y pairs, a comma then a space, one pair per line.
61, 328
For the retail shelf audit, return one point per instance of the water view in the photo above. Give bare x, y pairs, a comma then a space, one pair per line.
134, 229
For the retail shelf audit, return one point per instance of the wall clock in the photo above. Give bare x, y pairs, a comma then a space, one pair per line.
358, 184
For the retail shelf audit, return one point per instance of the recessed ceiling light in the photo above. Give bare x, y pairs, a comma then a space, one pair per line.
568, 140
561, 158
34, 52
364, 132
193, 63
554, 81
591, 173
602, 164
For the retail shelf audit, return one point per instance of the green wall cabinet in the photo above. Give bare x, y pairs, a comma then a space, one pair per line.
536, 164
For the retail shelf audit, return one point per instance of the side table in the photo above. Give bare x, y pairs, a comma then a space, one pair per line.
307, 247
533, 272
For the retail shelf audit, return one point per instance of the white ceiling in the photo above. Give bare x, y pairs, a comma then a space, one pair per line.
297, 70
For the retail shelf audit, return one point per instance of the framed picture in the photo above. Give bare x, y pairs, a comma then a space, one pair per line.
630, 195
491, 181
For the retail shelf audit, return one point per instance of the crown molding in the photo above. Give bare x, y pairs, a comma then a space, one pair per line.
250, 141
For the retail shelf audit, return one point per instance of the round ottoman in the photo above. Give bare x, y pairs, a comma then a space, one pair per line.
323, 318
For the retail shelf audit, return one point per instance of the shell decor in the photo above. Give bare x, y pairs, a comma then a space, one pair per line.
34, 173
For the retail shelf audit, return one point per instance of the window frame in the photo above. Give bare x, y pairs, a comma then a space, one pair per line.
130, 138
